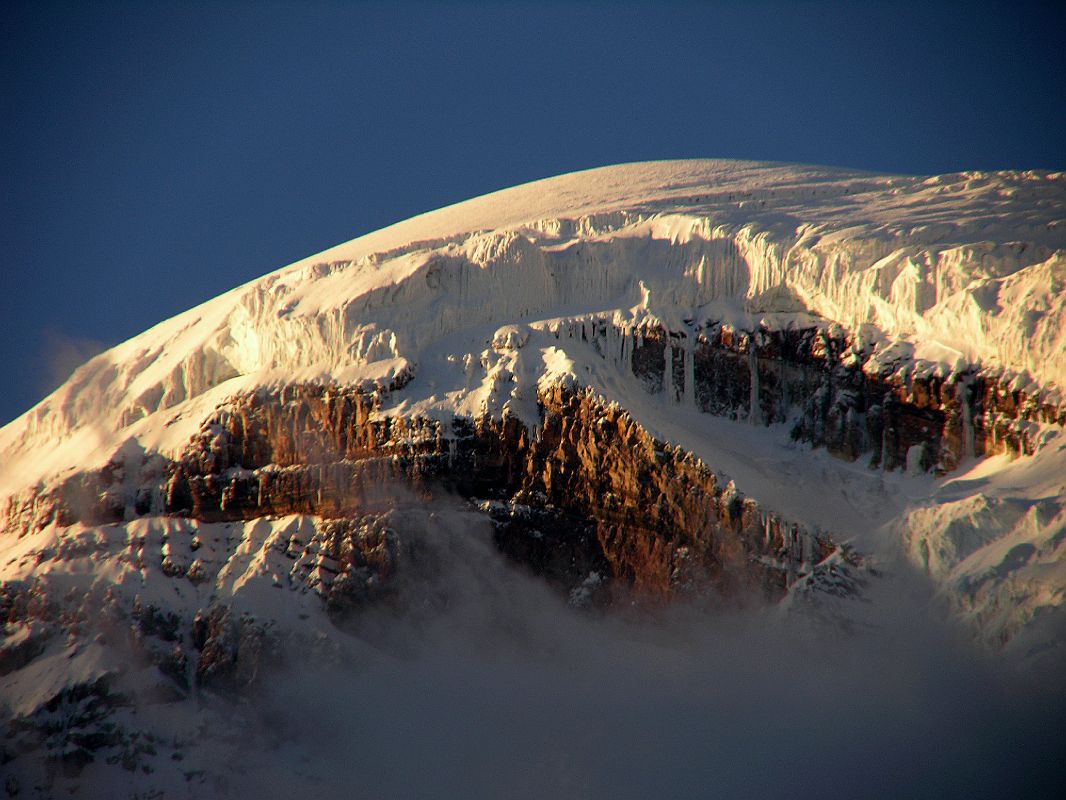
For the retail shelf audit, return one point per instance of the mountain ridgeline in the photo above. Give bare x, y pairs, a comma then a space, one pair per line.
716, 385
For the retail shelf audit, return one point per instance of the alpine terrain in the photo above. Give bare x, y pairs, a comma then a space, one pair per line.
595, 486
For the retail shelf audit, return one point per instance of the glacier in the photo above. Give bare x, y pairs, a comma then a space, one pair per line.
676, 292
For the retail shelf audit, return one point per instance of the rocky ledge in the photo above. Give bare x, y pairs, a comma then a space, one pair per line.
836, 388
589, 492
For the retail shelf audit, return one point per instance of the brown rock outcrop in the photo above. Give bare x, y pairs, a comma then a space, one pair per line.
836, 393
591, 492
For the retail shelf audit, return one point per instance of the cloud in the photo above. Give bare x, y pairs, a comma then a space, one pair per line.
485, 684
62, 354
478, 681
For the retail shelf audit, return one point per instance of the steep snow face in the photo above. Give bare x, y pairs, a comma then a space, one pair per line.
610, 284
952, 270
477, 306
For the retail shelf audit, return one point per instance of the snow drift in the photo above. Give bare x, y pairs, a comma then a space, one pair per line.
866, 368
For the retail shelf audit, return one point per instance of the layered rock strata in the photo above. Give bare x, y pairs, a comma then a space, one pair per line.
590, 492
835, 389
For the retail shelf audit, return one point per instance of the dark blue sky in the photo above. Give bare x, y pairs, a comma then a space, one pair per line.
155, 155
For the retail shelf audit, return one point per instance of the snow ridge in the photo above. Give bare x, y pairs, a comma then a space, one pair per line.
468, 306
955, 270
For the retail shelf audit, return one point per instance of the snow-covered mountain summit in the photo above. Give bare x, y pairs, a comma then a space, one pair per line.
952, 270
671, 379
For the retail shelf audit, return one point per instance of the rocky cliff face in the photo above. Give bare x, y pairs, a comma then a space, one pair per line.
296, 438
586, 492
835, 390
589, 501
590, 492
586, 499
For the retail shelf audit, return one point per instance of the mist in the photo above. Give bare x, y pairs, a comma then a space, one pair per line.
482, 682
62, 354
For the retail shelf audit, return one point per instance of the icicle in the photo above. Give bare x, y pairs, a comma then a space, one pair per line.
969, 449
668, 371
884, 432
754, 415
884, 438
690, 370
791, 554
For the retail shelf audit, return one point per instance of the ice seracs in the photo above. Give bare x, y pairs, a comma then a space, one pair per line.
955, 270
774, 384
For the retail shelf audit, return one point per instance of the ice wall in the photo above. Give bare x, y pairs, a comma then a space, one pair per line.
956, 270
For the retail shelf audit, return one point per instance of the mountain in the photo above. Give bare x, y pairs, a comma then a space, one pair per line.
737, 387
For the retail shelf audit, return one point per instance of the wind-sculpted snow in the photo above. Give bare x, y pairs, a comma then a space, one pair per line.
953, 270
877, 360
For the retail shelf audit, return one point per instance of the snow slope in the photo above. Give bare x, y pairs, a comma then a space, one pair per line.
965, 268
951, 270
